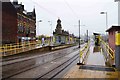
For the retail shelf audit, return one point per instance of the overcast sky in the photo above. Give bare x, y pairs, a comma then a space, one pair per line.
70, 11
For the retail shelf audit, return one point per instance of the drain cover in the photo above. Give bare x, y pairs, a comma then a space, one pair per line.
98, 68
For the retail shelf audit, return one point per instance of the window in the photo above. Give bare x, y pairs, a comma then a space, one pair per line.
20, 29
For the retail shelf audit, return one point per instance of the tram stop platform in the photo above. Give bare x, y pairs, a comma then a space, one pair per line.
93, 68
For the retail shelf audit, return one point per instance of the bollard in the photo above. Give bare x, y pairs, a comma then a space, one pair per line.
117, 50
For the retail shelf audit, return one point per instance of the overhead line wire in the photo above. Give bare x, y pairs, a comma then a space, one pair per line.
45, 9
50, 11
76, 16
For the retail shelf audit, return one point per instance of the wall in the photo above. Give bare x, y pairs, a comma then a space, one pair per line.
0, 22
26, 26
112, 39
9, 23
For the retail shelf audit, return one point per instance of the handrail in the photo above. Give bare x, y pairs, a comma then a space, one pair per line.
84, 53
109, 50
83, 49
10, 47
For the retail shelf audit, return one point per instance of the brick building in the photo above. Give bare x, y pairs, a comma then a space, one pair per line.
26, 23
111, 35
0, 23
17, 24
9, 23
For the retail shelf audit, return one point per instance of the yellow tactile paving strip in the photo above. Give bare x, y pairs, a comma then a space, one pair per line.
75, 72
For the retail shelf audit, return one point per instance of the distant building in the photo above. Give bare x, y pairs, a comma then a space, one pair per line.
17, 24
111, 35
61, 36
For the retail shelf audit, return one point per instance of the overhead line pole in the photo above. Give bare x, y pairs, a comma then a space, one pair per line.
79, 33
79, 63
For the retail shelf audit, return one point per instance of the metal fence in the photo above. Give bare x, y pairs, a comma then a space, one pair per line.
10, 49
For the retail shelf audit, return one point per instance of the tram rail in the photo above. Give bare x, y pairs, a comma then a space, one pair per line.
18, 62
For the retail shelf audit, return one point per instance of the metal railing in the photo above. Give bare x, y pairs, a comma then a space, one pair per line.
10, 49
84, 52
108, 53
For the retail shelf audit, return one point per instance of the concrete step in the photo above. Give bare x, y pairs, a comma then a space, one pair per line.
97, 68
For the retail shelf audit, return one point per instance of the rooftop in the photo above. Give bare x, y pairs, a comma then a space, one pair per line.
113, 28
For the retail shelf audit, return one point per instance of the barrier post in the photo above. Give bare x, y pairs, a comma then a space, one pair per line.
117, 50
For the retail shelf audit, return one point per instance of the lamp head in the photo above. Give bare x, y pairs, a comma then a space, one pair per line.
40, 21
103, 12
117, 0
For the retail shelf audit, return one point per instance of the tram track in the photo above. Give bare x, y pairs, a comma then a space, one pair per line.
58, 69
17, 60
61, 67
26, 69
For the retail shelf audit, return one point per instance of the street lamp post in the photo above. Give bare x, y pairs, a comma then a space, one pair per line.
79, 34
38, 23
106, 21
50, 32
106, 18
118, 11
87, 36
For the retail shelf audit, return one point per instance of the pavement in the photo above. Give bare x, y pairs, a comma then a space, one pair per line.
94, 59
75, 72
